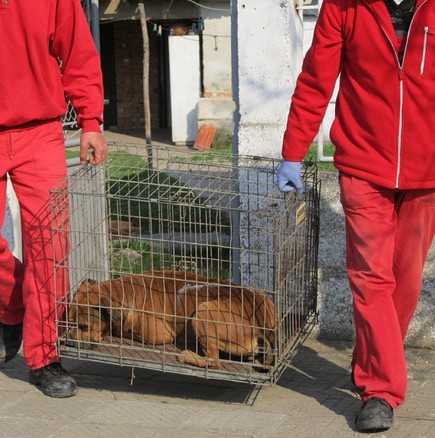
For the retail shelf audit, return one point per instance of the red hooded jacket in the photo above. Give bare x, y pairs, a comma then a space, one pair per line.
384, 126
35, 35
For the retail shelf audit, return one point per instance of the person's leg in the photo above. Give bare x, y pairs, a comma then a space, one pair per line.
11, 275
414, 236
39, 158
371, 222
39, 162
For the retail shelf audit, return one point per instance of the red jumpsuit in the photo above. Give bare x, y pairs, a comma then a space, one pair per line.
384, 153
46, 53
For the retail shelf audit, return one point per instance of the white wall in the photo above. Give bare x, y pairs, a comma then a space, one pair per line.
216, 106
216, 49
185, 87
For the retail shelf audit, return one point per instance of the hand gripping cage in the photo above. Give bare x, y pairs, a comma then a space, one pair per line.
191, 263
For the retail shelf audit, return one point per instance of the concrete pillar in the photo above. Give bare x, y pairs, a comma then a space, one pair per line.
267, 54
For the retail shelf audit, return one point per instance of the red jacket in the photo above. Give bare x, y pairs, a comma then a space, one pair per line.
384, 127
34, 35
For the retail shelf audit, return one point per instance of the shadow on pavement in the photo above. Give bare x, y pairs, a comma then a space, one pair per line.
329, 384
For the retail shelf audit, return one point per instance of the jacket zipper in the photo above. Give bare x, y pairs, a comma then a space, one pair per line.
399, 135
427, 31
401, 78
401, 88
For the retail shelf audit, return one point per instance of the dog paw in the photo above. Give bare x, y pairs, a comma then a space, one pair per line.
262, 367
182, 356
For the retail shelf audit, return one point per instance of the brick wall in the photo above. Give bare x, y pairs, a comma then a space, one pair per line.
129, 76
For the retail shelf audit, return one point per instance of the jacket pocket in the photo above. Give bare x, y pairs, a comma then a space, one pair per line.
428, 31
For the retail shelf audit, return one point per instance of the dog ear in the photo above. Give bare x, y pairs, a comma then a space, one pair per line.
86, 285
104, 299
87, 282
88, 292
110, 305
72, 312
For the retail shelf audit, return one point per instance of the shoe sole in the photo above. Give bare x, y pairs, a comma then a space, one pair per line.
55, 394
370, 426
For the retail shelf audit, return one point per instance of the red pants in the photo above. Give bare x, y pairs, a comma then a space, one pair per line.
388, 236
35, 160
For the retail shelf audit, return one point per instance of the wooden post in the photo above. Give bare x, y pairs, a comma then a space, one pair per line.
146, 81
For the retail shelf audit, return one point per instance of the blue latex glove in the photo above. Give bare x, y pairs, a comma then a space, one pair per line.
289, 176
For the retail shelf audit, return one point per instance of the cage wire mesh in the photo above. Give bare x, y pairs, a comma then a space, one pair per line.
187, 264
69, 123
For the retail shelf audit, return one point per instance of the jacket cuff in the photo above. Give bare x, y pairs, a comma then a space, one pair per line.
90, 125
293, 158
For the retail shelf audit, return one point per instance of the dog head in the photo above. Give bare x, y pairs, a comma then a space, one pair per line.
87, 315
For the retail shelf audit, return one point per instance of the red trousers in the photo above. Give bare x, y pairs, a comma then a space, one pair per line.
35, 160
388, 235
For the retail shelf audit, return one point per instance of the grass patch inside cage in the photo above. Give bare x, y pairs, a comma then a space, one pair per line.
136, 256
157, 205
150, 199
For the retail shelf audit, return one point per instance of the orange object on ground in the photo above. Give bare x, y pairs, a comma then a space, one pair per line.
205, 137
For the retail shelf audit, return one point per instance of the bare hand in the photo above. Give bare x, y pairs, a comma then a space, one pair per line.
93, 148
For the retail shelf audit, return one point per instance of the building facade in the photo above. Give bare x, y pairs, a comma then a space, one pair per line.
189, 64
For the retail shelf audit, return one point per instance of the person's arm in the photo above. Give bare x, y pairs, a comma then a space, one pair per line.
316, 82
314, 88
82, 79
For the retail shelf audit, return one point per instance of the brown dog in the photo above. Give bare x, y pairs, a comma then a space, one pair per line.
155, 307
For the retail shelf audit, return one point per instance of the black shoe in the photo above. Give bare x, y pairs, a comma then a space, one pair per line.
10, 341
54, 381
376, 415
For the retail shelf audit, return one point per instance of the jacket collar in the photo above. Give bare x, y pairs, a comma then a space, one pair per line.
380, 10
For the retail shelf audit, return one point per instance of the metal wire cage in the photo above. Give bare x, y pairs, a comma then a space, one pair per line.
187, 263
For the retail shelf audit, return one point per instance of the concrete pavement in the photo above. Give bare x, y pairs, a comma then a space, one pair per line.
312, 399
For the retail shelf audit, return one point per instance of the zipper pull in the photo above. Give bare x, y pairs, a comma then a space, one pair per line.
401, 74
423, 56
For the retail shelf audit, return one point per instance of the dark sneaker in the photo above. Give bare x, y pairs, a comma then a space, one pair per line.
54, 381
10, 341
376, 415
